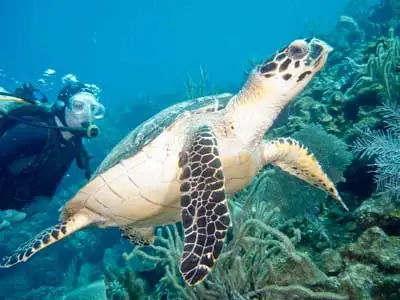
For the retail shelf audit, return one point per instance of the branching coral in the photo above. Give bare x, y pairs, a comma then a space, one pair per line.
123, 285
375, 82
385, 149
259, 261
383, 66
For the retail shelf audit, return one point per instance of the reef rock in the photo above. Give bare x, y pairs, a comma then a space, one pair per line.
372, 266
379, 211
332, 262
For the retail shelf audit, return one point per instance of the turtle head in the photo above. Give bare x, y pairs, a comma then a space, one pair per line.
291, 69
273, 84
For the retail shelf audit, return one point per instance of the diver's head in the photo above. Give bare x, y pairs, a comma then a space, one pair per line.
75, 117
83, 108
71, 85
79, 105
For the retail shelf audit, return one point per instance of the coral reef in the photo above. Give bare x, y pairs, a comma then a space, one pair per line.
261, 261
124, 285
92, 291
379, 211
382, 66
384, 148
258, 261
372, 266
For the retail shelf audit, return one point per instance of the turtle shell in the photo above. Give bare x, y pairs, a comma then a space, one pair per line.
146, 132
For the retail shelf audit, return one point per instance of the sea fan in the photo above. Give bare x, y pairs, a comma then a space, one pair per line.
384, 148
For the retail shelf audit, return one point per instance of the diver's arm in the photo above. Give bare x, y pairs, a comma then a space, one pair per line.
83, 159
22, 140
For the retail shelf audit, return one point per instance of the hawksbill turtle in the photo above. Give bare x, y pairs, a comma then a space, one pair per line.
184, 163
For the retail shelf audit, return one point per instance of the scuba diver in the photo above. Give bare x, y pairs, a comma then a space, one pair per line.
38, 143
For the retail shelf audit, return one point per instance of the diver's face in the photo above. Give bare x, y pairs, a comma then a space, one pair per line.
83, 108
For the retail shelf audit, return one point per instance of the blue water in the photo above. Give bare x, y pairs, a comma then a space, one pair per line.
149, 47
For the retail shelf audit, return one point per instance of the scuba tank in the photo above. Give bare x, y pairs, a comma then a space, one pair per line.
8, 101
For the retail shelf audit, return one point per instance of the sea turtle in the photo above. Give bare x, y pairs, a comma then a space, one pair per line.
182, 164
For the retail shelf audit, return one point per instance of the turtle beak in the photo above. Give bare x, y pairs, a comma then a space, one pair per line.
327, 48
319, 52
319, 48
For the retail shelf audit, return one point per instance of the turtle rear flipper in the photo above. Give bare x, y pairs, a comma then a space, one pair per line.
290, 156
205, 215
138, 236
46, 238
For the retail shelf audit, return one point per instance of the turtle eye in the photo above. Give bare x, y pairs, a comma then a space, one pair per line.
298, 50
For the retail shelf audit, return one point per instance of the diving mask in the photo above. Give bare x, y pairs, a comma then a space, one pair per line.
85, 104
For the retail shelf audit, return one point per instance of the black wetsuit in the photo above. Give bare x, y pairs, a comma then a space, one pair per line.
34, 160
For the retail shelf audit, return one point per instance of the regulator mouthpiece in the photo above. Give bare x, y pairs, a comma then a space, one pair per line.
92, 131
89, 131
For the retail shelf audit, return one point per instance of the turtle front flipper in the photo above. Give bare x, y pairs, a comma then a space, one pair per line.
289, 155
205, 215
46, 238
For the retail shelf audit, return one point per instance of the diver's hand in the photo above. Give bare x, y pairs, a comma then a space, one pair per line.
88, 173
